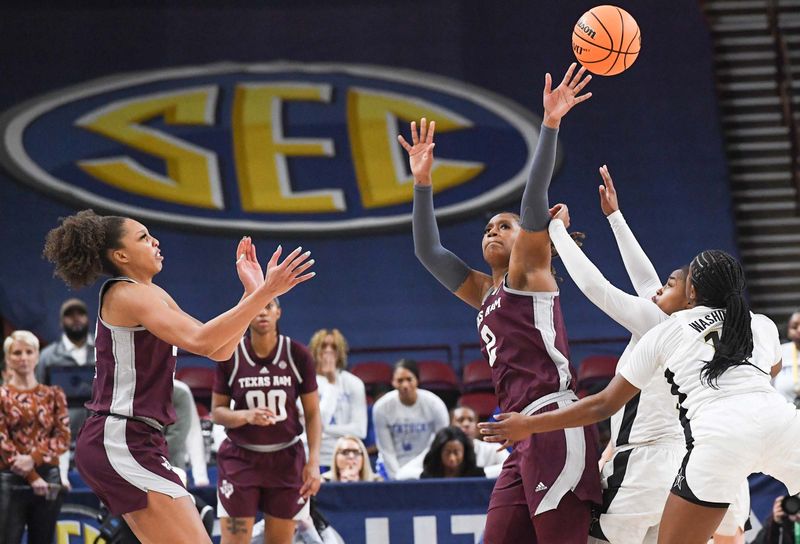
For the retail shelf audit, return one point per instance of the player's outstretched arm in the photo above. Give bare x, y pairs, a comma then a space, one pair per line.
634, 313
640, 270
529, 268
147, 307
467, 284
513, 427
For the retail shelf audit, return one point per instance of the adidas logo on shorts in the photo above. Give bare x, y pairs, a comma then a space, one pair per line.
301, 500
541, 487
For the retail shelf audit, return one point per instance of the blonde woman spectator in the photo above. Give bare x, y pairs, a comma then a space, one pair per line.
34, 431
343, 399
350, 462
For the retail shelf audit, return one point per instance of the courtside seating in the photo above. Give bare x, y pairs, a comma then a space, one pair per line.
440, 378
477, 376
375, 375
595, 371
483, 402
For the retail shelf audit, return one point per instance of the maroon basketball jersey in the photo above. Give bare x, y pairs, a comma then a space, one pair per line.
274, 382
134, 372
524, 340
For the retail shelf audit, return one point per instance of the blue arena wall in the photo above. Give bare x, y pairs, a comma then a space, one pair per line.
656, 126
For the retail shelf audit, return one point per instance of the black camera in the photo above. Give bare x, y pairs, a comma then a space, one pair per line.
791, 504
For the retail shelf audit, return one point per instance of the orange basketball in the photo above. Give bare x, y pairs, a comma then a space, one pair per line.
606, 40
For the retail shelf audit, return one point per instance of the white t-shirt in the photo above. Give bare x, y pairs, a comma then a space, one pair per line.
677, 348
343, 410
403, 432
789, 377
653, 418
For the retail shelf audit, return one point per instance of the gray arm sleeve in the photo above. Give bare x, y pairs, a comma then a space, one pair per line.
443, 264
534, 211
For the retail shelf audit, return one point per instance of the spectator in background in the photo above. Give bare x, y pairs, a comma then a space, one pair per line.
343, 398
34, 431
451, 456
74, 348
350, 462
406, 420
185, 436
780, 527
486, 455
787, 382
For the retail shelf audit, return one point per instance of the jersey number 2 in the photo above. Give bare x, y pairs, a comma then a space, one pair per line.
274, 401
490, 340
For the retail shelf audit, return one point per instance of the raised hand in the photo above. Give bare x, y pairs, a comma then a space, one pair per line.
608, 194
247, 266
560, 211
282, 277
420, 155
557, 102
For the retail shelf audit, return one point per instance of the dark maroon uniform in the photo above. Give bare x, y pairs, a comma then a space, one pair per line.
525, 343
260, 467
121, 452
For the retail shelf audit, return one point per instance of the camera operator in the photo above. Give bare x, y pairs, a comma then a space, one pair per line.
783, 526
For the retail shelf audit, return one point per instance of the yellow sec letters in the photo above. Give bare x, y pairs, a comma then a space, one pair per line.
379, 161
192, 173
261, 149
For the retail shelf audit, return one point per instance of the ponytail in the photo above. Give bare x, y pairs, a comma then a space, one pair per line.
719, 282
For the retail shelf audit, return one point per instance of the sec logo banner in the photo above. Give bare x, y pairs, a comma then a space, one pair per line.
275, 148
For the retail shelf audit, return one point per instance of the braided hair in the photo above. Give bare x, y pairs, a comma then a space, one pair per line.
719, 282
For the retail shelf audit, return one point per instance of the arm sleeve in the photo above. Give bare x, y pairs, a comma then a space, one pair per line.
383, 439
640, 270
444, 265
636, 314
56, 441
535, 210
357, 426
643, 361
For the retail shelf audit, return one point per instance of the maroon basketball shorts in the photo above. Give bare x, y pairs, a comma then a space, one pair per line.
122, 459
250, 481
545, 467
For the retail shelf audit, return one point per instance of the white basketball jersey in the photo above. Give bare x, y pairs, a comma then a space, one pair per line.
677, 349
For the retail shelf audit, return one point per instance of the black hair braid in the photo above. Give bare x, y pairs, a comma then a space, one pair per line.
719, 281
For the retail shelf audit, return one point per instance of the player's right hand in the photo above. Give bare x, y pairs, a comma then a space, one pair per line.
260, 416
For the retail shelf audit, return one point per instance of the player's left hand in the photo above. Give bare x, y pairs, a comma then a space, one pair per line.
311, 480
557, 102
509, 428
247, 267
560, 211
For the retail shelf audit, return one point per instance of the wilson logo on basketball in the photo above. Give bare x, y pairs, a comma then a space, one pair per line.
268, 148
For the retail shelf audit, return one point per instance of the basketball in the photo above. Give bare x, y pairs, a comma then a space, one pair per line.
606, 40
